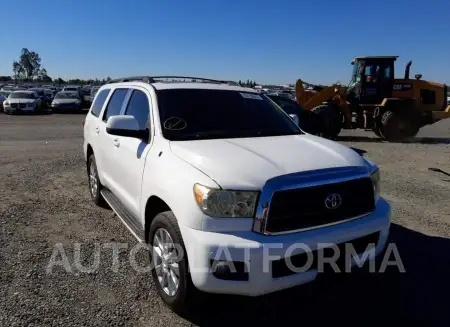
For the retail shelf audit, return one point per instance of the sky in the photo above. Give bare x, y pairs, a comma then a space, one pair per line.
266, 41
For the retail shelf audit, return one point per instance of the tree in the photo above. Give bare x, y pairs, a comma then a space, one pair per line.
18, 70
30, 62
43, 76
28, 65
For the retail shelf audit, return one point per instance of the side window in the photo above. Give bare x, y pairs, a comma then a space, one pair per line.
387, 72
115, 103
139, 108
98, 102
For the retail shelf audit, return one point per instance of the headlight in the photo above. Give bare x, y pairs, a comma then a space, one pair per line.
225, 204
375, 176
55, 103
376, 184
6, 104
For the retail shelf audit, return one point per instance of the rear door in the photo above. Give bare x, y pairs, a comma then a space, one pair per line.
92, 123
106, 142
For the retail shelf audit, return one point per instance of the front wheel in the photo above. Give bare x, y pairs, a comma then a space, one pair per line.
170, 267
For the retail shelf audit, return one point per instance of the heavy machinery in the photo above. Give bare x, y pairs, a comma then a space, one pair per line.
395, 109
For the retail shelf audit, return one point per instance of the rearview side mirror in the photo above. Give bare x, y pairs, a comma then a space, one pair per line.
126, 126
295, 118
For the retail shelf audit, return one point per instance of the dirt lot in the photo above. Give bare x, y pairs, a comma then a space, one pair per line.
45, 200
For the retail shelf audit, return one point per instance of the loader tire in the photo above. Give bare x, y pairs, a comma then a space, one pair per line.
331, 120
396, 127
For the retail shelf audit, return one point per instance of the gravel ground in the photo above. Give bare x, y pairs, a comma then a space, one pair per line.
45, 201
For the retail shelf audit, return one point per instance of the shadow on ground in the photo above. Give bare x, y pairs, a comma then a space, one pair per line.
418, 297
374, 139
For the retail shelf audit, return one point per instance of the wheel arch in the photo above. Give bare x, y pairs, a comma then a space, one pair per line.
89, 151
153, 207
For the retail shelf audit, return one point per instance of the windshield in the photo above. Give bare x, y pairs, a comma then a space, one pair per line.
66, 95
73, 89
355, 74
192, 114
38, 91
21, 95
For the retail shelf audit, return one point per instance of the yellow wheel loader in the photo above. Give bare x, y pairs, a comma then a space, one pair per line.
395, 109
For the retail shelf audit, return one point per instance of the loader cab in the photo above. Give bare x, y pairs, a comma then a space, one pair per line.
372, 79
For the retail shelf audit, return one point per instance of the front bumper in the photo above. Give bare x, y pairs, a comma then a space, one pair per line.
68, 106
258, 251
11, 110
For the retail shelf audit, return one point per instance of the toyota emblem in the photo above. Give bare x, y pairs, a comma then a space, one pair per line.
333, 201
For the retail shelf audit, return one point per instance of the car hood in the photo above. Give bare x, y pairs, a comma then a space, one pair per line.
21, 100
65, 100
247, 163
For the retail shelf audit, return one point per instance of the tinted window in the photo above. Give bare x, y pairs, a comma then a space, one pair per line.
139, 108
188, 114
98, 102
115, 103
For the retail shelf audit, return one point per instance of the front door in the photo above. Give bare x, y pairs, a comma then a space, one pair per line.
130, 153
376, 81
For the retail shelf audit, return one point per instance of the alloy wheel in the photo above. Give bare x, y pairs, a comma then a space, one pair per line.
165, 262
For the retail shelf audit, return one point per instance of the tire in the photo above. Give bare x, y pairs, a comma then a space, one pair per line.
396, 127
186, 293
331, 120
377, 131
95, 191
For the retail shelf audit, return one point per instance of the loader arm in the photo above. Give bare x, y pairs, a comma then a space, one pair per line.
309, 99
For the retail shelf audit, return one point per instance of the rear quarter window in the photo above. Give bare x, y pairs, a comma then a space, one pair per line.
99, 101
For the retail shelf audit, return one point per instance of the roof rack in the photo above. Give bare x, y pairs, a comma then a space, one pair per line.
187, 79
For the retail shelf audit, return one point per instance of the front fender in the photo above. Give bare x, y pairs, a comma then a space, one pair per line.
172, 180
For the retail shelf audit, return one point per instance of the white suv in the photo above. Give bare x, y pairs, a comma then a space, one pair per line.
227, 190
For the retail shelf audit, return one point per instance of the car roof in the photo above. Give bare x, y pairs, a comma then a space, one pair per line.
184, 85
23, 91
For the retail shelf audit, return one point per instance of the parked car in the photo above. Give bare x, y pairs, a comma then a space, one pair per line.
86, 94
66, 101
22, 101
49, 95
308, 120
213, 175
75, 88
41, 93
8, 88
94, 91
2, 99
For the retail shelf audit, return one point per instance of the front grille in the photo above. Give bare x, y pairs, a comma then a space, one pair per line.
66, 105
281, 267
18, 105
305, 208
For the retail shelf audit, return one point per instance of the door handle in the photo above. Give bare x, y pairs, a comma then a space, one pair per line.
116, 142
97, 130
